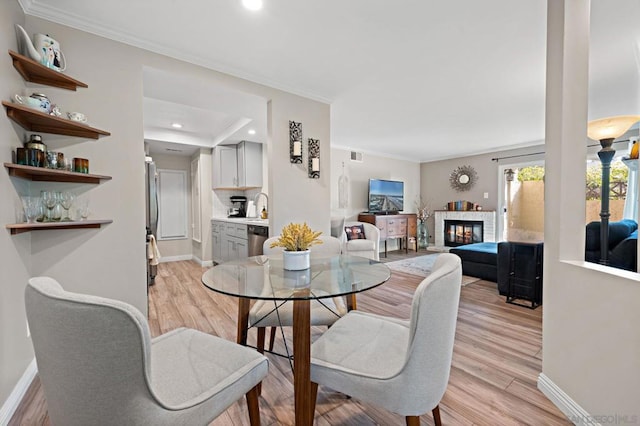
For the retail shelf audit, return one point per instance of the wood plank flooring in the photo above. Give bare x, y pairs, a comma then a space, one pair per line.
493, 376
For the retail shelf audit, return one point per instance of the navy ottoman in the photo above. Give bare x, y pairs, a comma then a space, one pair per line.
479, 260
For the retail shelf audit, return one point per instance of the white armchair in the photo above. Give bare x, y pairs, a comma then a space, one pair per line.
368, 247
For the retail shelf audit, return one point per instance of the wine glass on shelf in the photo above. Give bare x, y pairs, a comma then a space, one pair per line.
66, 200
49, 200
82, 204
56, 212
31, 207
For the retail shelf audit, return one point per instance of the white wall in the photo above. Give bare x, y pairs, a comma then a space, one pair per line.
591, 343
372, 167
15, 258
183, 247
202, 250
111, 261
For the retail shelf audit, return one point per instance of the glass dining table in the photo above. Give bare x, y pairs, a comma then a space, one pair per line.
264, 277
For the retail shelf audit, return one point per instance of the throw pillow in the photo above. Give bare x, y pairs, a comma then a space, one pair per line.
355, 232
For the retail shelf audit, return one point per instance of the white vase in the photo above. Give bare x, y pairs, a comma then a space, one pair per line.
296, 260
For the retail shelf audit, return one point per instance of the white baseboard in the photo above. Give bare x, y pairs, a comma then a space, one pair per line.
203, 263
15, 397
165, 259
574, 412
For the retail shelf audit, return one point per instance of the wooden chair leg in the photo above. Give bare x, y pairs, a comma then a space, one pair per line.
272, 338
254, 408
314, 397
436, 416
260, 342
413, 420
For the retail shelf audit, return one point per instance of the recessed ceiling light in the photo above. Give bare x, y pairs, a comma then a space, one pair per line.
176, 125
252, 4
251, 132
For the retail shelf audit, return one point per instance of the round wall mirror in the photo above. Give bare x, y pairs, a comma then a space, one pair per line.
463, 178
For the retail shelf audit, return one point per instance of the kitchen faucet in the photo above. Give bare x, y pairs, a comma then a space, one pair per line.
266, 204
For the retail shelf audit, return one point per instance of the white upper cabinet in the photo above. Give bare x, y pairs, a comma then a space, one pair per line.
237, 166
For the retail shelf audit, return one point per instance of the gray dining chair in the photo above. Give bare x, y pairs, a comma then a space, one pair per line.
402, 366
98, 364
263, 313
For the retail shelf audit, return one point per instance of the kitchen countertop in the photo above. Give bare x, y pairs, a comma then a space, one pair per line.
243, 220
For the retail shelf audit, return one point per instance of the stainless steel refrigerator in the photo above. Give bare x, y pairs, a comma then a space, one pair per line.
151, 203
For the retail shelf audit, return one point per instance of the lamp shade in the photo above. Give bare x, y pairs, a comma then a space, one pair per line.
610, 127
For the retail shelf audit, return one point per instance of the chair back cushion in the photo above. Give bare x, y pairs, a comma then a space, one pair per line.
92, 353
337, 226
267, 249
434, 313
330, 246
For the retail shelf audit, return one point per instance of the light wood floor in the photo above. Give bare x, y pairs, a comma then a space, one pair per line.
496, 361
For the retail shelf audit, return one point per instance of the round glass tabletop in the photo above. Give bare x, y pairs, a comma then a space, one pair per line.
264, 277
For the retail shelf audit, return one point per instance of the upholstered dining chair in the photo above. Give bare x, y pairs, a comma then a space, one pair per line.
367, 247
263, 312
98, 364
402, 366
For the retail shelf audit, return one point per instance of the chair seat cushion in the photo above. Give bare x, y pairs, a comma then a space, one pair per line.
323, 312
216, 366
362, 336
360, 245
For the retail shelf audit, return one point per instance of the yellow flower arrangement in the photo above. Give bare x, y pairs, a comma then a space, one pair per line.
296, 237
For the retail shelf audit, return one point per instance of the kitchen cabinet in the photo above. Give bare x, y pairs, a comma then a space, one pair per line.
36, 121
234, 241
216, 240
225, 167
237, 166
229, 241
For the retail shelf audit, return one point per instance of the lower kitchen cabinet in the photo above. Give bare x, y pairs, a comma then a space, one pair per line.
229, 241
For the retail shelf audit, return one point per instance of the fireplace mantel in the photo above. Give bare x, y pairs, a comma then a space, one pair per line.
488, 218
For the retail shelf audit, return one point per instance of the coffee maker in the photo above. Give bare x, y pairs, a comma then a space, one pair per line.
239, 208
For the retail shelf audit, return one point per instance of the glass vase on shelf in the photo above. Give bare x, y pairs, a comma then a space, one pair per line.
423, 234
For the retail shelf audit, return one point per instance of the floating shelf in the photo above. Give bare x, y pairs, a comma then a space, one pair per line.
34, 72
42, 174
36, 121
19, 228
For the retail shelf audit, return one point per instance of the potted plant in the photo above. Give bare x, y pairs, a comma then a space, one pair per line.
296, 240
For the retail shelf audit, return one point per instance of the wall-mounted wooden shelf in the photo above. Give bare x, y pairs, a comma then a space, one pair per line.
34, 72
36, 121
19, 228
42, 174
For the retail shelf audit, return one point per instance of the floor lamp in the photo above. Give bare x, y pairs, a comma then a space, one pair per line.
605, 130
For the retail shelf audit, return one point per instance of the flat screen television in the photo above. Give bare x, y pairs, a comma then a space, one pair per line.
386, 196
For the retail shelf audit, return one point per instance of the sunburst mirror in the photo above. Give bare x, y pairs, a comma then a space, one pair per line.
463, 178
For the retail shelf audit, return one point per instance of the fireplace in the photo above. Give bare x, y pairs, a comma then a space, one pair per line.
487, 217
461, 232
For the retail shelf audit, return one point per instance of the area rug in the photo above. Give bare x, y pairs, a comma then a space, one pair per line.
422, 266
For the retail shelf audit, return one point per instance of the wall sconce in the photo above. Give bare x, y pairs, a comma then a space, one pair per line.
295, 142
509, 175
314, 158
606, 130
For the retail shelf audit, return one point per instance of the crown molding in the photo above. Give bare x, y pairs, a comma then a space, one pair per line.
69, 19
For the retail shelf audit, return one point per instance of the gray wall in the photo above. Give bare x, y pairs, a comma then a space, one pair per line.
15, 251
436, 189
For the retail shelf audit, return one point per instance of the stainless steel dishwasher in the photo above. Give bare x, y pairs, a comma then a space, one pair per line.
256, 234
